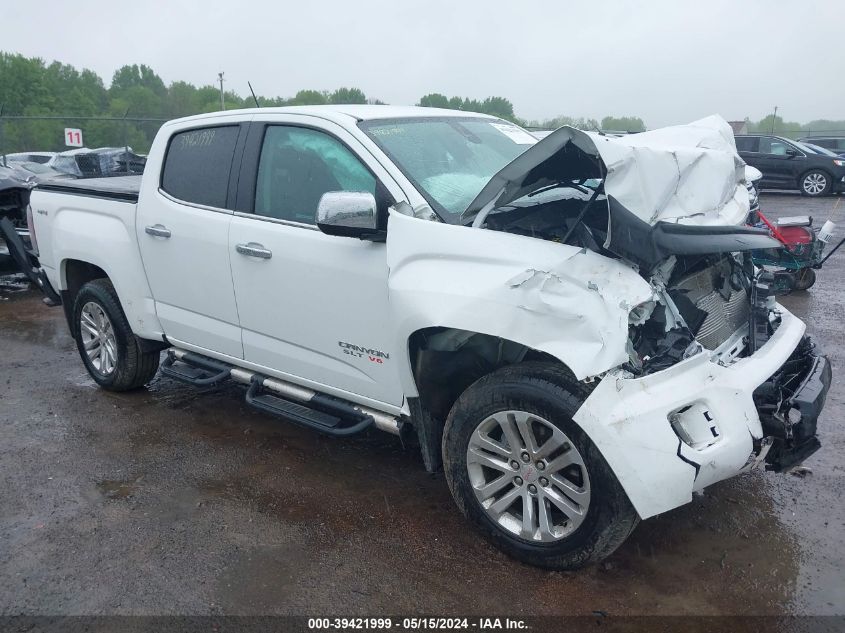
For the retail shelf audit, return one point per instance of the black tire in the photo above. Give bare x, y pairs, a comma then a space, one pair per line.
809, 189
549, 391
804, 279
133, 367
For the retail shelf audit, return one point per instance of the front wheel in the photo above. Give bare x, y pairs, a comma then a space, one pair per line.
815, 183
107, 346
527, 476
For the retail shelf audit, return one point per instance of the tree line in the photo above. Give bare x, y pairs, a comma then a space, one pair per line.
31, 87
776, 125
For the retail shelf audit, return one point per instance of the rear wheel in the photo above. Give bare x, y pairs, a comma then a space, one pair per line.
815, 183
526, 474
106, 344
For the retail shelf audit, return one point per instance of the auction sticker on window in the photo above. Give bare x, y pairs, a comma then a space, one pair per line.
515, 134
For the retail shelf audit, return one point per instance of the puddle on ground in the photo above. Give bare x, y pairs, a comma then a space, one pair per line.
13, 284
116, 489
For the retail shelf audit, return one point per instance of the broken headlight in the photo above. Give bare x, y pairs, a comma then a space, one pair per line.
658, 337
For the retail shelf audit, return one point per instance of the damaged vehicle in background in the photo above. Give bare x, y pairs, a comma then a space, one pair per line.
98, 163
17, 178
573, 328
42, 158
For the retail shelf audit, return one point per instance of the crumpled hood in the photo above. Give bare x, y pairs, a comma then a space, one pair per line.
689, 174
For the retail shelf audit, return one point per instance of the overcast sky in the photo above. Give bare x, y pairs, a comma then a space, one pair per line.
667, 61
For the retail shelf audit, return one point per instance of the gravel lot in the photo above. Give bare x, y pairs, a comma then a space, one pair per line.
174, 501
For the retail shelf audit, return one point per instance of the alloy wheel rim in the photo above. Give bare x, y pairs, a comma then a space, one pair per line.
98, 338
528, 476
814, 184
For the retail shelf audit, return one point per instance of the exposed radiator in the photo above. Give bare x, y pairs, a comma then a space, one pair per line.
727, 308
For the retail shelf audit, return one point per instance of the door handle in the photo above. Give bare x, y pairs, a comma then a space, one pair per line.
157, 230
253, 249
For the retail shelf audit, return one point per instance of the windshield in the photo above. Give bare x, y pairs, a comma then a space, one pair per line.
449, 159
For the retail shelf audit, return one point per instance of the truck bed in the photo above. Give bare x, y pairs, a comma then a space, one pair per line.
120, 188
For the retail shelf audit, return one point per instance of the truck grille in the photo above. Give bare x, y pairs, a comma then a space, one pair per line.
727, 308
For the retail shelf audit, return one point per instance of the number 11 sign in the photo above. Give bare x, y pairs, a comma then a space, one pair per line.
73, 137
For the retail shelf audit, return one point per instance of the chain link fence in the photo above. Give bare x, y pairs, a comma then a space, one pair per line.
27, 133
805, 134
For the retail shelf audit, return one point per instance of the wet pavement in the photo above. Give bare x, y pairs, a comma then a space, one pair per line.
172, 500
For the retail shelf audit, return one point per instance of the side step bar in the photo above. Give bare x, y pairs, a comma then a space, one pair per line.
300, 405
313, 418
194, 369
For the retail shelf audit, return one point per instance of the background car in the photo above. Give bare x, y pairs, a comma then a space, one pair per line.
836, 144
786, 164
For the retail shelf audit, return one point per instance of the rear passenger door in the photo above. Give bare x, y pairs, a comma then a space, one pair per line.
748, 149
183, 223
313, 307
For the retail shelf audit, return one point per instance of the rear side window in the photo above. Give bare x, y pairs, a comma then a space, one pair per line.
197, 164
746, 143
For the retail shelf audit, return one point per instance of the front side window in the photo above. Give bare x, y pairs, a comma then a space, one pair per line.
777, 147
197, 164
297, 166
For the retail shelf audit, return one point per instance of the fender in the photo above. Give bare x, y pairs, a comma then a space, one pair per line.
566, 301
114, 249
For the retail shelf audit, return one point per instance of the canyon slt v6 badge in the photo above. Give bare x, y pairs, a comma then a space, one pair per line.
373, 355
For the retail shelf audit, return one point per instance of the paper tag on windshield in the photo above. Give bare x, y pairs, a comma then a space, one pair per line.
515, 134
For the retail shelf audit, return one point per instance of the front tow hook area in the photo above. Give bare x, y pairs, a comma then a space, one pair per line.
789, 404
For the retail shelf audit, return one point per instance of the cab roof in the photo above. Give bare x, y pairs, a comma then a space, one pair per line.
343, 112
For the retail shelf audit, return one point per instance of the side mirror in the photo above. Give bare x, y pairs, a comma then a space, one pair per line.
348, 213
791, 152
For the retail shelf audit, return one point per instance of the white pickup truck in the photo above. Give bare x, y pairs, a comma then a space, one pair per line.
573, 326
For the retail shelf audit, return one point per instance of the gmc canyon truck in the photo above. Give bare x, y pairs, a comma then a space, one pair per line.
571, 328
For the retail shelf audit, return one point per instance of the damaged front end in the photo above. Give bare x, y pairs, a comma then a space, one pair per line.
673, 207
722, 306
704, 302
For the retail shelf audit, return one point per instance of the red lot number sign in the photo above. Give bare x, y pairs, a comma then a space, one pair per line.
73, 137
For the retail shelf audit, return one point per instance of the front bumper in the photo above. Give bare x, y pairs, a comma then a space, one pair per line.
668, 434
789, 404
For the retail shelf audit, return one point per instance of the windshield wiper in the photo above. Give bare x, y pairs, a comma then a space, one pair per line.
561, 183
584, 210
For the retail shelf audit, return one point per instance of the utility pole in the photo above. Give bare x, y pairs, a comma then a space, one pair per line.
774, 116
126, 139
220, 79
